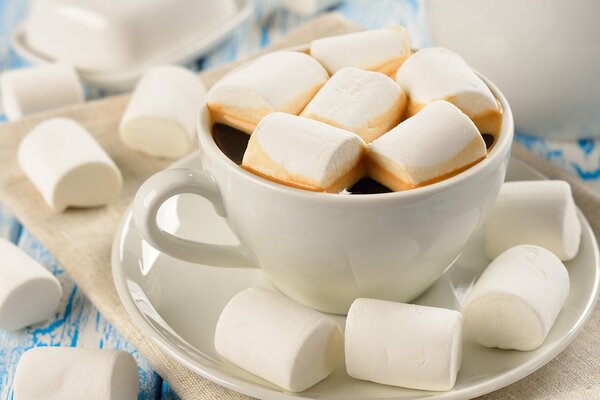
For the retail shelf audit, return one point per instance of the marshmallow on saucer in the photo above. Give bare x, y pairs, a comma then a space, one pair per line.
278, 339
406, 345
309, 7
534, 212
67, 166
160, 119
516, 300
439, 74
281, 81
58, 373
304, 153
364, 102
381, 50
436, 143
30, 90
29, 293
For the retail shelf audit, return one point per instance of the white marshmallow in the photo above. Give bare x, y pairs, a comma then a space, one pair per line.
67, 166
29, 293
281, 81
516, 300
309, 7
304, 153
30, 90
404, 345
366, 103
534, 212
160, 119
58, 373
437, 142
380, 50
439, 74
278, 339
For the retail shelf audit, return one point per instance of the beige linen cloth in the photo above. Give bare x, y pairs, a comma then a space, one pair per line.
81, 242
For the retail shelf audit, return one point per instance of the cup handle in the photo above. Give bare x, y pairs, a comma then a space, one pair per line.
166, 184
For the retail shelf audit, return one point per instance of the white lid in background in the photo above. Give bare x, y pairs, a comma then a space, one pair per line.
111, 43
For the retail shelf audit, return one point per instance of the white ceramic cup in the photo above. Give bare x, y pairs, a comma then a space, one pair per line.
323, 249
543, 54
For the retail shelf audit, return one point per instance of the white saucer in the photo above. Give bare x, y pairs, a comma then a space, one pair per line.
177, 304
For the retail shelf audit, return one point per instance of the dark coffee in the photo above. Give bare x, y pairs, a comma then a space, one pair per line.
233, 143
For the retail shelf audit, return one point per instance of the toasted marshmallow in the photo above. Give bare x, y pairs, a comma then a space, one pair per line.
59, 373
304, 153
67, 166
366, 103
403, 345
439, 74
31, 90
381, 50
29, 293
516, 300
281, 81
535, 212
436, 143
160, 119
278, 339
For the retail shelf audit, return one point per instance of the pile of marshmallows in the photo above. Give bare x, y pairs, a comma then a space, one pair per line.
323, 134
64, 161
513, 305
71, 169
29, 294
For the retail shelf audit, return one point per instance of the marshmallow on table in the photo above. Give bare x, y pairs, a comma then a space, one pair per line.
160, 119
30, 90
309, 7
406, 345
516, 300
67, 166
278, 339
29, 293
432, 145
58, 373
534, 212
281, 81
364, 102
381, 50
304, 153
439, 74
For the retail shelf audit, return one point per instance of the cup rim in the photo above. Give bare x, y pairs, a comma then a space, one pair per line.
499, 150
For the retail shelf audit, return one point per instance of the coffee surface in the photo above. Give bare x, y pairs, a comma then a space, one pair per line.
233, 143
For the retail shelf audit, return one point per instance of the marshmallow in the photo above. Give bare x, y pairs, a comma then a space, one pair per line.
58, 373
281, 81
278, 339
438, 142
67, 166
29, 293
439, 74
366, 103
516, 300
406, 345
160, 119
381, 50
30, 90
309, 7
535, 212
304, 153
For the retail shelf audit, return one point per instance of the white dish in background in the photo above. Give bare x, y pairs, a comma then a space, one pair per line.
177, 304
543, 55
112, 44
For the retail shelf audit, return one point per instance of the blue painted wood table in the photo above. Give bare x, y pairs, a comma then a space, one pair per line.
78, 323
